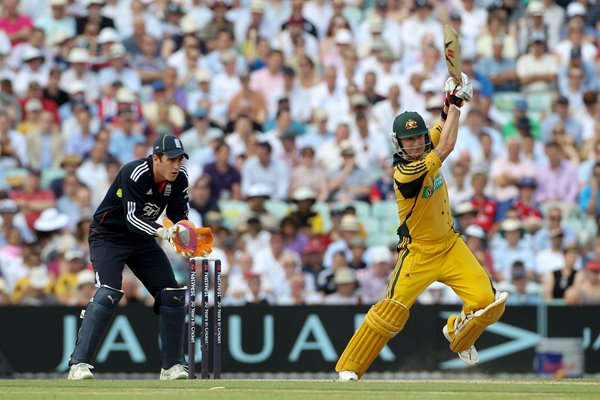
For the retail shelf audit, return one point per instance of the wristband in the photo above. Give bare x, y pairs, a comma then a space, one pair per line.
444, 115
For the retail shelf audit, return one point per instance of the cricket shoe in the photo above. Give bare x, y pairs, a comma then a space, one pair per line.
347, 376
469, 356
80, 371
176, 372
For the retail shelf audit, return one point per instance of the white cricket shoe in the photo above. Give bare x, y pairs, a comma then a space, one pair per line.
347, 376
176, 372
469, 356
80, 371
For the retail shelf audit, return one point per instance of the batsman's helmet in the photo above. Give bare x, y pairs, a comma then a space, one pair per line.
406, 125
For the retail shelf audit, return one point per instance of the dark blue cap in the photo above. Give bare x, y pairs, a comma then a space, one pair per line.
169, 145
527, 182
158, 85
200, 112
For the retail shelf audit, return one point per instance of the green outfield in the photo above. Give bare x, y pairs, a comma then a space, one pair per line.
298, 389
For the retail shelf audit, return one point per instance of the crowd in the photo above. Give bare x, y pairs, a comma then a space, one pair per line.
285, 108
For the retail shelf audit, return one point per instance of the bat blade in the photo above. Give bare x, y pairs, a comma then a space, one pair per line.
452, 53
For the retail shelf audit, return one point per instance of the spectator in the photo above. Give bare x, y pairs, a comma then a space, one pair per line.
558, 281
374, 279
37, 291
509, 129
263, 169
118, 71
537, 70
588, 196
358, 248
32, 199
16, 26
586, 286
551, 258
500, 69
506, 172
346, 288
553, 219
224, 178
310, 221
477, 240
557, 180
522, 290
13, 149
201, 199
256, 197
93, 16
485, 205
561, 115
510, 245
525, 203
349, 182
248, 102
124, 137
294, 239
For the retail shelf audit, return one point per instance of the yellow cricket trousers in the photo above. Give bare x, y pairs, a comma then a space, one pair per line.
450, 262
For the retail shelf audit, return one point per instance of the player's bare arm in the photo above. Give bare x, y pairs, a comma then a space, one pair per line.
449, 134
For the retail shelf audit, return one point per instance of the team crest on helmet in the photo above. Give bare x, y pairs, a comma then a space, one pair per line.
410, 124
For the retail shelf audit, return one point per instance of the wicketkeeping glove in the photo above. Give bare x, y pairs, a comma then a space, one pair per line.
458, 92
188, 240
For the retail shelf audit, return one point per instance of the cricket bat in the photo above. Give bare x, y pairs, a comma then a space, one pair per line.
452, 53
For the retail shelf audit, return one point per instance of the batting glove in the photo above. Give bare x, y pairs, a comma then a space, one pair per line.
458, 92
167, 233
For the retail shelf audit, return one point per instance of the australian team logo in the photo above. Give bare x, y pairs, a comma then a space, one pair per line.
410, 124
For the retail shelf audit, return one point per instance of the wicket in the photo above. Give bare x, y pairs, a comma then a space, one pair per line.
204, 309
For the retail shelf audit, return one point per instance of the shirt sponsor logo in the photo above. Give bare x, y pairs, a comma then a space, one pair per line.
119, 193
151, 210
438, 182
168, 190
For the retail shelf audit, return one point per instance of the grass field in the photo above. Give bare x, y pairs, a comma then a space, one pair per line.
19, 389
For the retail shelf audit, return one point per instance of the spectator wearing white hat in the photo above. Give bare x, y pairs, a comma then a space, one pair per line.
118, 71
32, 71
58, 21
38, 290
346, 289
79, 61
36, 41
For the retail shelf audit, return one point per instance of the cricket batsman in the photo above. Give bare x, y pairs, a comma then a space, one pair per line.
124, 231
429, 248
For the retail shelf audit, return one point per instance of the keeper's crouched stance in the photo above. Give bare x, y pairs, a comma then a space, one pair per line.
124, 232
430, 249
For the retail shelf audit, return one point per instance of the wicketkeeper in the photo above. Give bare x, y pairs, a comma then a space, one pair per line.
429, 249
123, 232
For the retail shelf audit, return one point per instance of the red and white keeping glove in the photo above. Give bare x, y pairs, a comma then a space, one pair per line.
458, 92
